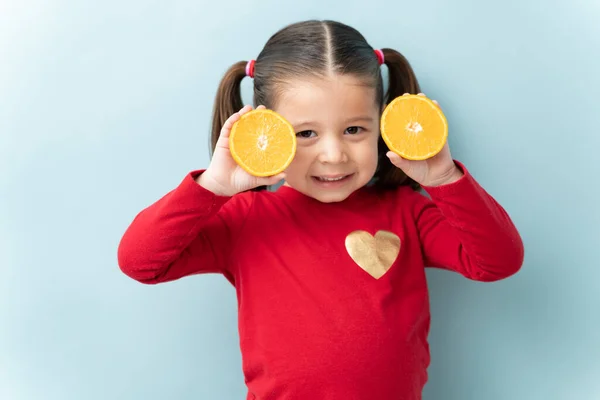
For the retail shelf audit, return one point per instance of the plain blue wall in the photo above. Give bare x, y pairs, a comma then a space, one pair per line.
104, 106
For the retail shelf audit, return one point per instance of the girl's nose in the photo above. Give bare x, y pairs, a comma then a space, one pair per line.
332, 151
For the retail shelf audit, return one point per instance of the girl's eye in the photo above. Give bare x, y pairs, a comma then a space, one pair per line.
353, 130
306, 134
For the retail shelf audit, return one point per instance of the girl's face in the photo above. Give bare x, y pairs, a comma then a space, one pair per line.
336, 120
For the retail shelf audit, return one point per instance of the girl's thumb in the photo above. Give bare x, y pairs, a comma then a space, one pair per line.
397, 160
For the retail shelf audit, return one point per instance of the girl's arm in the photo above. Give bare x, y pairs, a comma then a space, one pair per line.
188, 231
462, 228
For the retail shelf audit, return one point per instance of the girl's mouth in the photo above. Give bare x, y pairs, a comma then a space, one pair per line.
330, 180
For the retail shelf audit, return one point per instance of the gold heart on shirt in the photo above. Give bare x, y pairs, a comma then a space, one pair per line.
374, 254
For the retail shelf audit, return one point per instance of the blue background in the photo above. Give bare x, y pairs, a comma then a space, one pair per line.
105, 106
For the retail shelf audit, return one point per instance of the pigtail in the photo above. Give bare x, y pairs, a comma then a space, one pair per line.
228, 99
402, 79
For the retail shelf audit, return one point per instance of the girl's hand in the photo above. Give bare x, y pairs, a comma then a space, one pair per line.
435, 171
224, 177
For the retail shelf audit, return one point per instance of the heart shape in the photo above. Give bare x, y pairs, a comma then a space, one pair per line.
374, 254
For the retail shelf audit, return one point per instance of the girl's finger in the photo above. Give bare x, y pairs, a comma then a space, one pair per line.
245, 109
271, 180
232, 120
229, 123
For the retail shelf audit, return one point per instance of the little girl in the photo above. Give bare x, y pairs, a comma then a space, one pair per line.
329, 269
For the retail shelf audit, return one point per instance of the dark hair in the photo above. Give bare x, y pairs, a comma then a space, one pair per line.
316, 49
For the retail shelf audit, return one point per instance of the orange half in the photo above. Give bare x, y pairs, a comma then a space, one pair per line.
262, 142
414, 127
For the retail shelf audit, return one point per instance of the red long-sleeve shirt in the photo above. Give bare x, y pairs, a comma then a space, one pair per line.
313, 324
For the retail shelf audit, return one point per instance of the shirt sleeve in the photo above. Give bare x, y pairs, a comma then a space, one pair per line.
188, 231
462, 228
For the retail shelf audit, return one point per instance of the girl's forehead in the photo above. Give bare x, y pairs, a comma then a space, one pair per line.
340, 96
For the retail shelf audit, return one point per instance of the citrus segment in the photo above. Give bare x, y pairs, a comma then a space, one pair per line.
262, 142
414, 127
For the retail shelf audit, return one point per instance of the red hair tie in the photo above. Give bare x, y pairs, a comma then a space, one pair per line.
250, 68
380, 56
